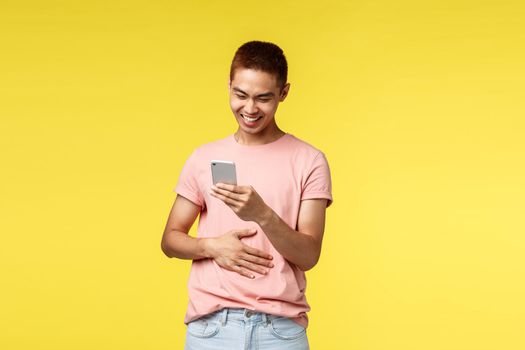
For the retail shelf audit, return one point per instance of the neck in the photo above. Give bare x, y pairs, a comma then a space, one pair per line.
265, 136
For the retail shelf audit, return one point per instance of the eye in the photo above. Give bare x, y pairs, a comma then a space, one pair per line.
264, 100
242, 97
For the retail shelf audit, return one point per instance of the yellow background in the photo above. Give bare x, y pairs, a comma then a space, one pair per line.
418, 106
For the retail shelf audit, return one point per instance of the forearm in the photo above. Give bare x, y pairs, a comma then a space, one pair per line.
177, 244
298, 248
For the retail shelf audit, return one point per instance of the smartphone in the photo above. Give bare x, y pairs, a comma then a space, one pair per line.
223, 171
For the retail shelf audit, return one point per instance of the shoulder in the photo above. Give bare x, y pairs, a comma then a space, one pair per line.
204, 149
303, 148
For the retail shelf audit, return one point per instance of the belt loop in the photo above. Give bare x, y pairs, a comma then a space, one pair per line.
265, 319
224, 316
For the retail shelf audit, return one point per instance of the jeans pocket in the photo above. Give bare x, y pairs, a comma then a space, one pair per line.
203, 327
286, 329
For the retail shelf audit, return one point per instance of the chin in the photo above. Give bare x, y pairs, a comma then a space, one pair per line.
249, 130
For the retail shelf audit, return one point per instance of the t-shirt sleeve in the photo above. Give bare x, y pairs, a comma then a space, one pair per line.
188, 184
318, 181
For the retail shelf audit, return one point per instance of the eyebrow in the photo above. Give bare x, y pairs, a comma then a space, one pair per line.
266, 94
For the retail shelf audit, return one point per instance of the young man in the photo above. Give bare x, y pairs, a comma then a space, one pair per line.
255, 240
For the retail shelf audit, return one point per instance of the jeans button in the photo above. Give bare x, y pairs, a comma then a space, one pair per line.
249, 313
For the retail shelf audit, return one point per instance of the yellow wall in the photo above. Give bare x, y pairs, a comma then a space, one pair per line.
418, 106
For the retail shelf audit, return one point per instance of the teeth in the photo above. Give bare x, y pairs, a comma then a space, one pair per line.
249, 119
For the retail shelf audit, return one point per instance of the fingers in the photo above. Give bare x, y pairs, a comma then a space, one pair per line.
256, 260
253, 267
242, 271
227, 200
257, 252
226, 193
246, 268
247, 260
229, 187
245, 233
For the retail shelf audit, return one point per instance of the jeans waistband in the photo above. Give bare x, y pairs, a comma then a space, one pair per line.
244, 315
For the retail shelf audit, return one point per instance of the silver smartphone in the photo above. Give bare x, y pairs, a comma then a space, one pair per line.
223, 171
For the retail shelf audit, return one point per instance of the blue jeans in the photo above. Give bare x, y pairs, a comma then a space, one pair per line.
242, 329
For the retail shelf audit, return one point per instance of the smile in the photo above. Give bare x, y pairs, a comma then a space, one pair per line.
251, 120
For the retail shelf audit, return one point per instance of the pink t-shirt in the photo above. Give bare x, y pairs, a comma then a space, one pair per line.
283, 173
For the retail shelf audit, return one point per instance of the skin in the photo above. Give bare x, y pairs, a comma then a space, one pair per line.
256, 93
252, 93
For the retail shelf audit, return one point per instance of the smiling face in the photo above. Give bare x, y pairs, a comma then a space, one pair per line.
254, 98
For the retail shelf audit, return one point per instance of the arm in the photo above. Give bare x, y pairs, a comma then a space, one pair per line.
302, 247
175, 241
227, 250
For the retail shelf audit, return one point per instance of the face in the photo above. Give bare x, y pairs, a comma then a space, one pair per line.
254, 97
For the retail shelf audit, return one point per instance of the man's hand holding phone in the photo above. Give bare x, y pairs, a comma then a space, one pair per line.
243, 200
246, 203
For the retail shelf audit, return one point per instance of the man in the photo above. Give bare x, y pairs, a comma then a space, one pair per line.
255, 240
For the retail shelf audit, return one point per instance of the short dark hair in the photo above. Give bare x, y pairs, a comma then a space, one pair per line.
263, 56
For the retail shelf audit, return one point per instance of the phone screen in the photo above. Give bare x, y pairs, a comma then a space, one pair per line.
223, 171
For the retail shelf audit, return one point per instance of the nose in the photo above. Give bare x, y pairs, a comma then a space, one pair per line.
250, 107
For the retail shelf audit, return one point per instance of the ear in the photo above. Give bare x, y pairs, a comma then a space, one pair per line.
284, 92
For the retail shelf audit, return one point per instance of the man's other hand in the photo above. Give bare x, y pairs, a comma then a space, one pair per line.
230, 253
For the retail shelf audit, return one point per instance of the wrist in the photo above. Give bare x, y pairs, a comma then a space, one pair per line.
266, 217
203, 245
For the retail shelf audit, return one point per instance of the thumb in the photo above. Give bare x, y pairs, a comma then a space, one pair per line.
246, 233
